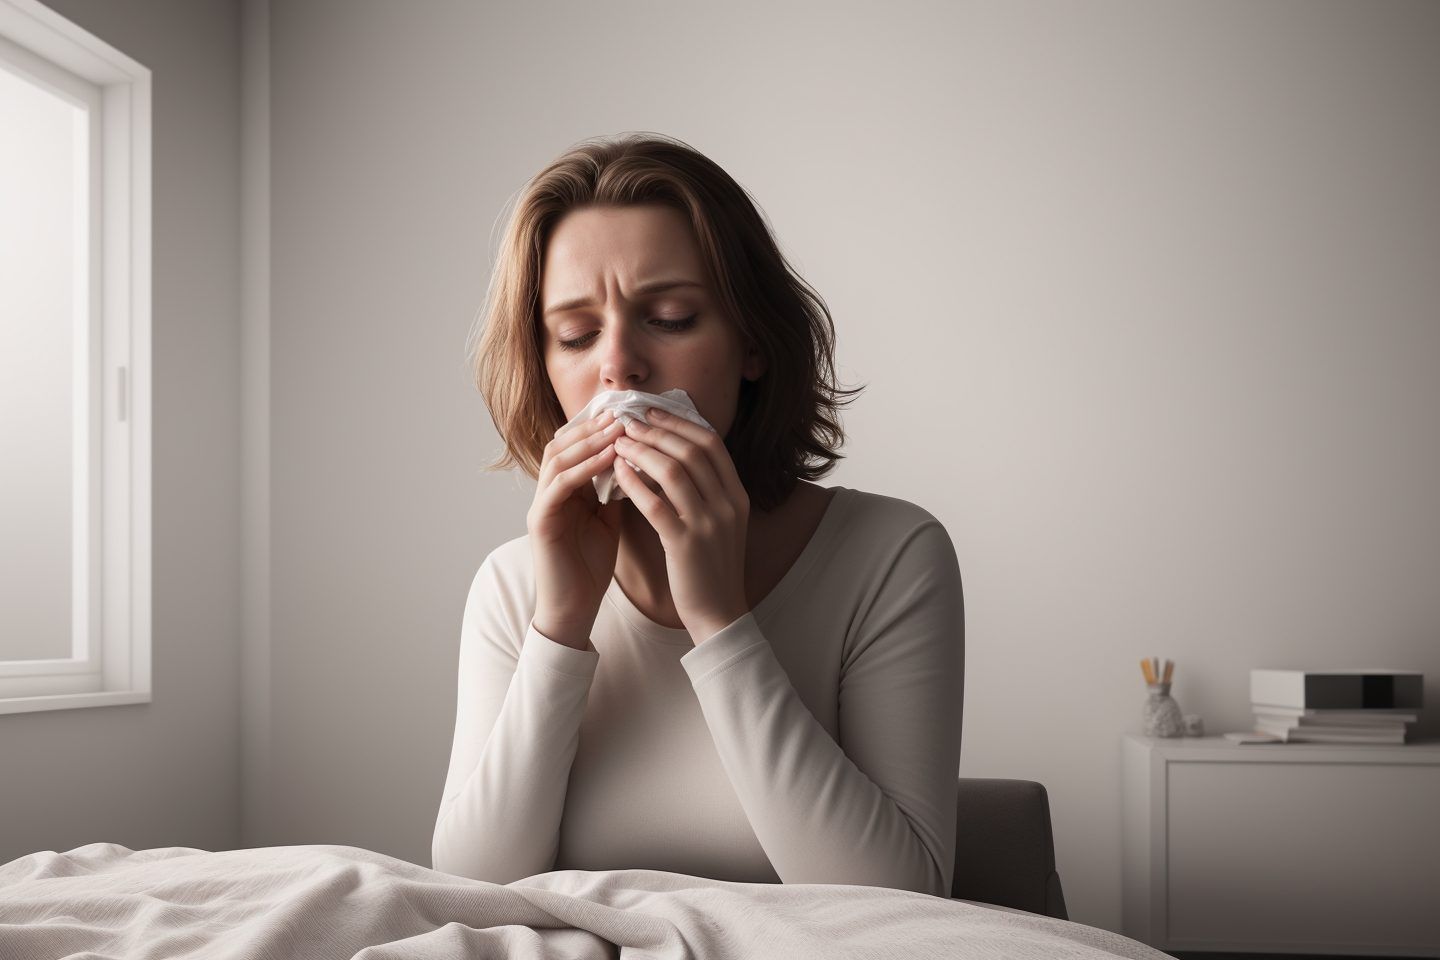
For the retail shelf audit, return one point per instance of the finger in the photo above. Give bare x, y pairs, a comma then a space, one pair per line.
578, 479
672, 475
580, 442
582, 454
695, 461
576, 428
650, 504
713, 446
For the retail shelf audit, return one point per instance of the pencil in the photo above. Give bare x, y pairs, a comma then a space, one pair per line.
1169, 669
1145, 669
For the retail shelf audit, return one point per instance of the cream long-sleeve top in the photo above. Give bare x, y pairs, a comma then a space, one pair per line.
816, 739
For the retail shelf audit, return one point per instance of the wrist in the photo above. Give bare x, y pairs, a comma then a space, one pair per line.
578, 638
708, 628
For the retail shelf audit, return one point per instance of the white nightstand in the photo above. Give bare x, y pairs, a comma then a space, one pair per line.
1281, 847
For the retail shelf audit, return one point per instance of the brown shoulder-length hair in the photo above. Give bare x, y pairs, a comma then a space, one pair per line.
786, 424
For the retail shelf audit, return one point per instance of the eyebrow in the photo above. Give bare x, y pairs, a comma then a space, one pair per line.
654, 286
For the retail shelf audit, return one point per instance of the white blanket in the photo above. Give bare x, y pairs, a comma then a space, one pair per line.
103, 900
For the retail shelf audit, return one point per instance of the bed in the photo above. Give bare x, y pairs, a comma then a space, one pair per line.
324, 901
104, 900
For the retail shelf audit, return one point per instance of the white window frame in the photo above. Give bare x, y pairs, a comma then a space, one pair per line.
111, 629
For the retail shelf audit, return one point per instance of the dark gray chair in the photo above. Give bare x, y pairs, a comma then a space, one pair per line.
1004, 850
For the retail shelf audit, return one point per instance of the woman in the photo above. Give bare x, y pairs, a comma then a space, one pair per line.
734, 673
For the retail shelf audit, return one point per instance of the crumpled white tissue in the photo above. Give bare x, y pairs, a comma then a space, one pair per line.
631, 405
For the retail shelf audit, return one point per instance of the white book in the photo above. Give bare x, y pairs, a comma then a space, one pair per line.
1323, 723
1308, 714
1339, 689
1255, 737
1304, 736
1367, 732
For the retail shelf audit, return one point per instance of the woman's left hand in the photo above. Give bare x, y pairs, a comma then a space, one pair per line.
704, 525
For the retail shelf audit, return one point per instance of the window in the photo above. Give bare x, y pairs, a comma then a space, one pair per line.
74, 367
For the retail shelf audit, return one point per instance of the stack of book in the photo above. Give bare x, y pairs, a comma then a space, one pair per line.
1335, 706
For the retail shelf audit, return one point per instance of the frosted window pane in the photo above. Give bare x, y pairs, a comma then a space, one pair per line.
41, 146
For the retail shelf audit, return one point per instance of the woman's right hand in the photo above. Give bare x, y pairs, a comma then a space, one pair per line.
573, 537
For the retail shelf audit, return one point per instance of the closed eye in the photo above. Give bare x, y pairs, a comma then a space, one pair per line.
672, 326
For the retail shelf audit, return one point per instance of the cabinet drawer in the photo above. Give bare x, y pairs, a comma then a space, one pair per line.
1294, 853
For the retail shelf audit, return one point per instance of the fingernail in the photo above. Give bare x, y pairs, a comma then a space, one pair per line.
655, 413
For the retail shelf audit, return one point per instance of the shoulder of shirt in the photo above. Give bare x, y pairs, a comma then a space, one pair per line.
509, 566
876, 518
512, 553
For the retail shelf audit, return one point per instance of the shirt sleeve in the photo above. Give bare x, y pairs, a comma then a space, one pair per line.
876, 808
520, 702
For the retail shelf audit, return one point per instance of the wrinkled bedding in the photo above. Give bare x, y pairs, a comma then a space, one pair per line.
104, 900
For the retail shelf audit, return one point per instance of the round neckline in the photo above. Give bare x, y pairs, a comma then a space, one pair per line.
824, 530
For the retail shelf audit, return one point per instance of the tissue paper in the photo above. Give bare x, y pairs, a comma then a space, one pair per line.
631, 405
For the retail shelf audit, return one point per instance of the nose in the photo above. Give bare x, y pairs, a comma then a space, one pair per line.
621, 349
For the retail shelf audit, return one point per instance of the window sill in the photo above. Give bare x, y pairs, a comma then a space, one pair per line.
70, 701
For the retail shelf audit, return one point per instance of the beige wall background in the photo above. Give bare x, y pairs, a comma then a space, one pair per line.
1144, 295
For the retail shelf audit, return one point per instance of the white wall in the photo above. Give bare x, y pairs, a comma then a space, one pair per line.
1145, 294
166, 773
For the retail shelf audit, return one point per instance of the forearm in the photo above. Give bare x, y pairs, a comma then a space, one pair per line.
818, 816
503, 822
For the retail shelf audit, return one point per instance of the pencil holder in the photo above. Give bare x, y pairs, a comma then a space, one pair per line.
1162, 714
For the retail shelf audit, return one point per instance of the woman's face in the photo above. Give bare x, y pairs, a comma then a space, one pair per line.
626, 334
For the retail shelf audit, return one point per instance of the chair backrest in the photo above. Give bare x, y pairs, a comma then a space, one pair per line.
1004, 848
